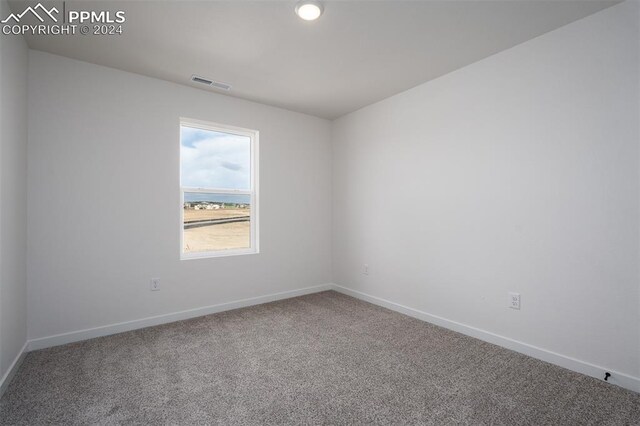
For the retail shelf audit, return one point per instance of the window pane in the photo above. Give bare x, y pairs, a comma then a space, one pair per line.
214, 159
216, 222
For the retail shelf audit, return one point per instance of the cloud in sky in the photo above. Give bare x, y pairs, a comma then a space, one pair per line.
214, 159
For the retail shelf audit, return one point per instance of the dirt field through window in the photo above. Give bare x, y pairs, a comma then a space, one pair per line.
223, 236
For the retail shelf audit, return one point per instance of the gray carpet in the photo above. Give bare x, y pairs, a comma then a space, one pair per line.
320, 359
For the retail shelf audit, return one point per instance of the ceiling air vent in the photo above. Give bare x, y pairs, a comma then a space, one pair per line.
220, 85
216, 84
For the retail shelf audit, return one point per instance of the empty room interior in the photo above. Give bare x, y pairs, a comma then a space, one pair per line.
320, 212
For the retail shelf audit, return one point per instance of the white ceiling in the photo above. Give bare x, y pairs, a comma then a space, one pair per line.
357, 53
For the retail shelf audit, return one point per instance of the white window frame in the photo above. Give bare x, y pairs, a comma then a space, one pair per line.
252, 192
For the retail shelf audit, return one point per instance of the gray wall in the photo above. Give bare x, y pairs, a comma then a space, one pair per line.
104, 199
13, 196
516, 173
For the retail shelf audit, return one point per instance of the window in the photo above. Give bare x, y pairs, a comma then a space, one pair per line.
218, 188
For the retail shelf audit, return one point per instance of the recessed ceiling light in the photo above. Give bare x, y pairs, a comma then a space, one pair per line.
309, 10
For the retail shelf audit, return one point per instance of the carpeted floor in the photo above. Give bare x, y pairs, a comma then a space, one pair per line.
325, 358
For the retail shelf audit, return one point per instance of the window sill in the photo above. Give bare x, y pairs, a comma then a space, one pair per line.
220, 253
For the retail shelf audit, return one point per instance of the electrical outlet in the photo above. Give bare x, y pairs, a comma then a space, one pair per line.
514, 300
365, 269
155, 284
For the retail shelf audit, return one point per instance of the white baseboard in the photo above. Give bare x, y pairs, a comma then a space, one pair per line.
13, 369
617, 378
90, 333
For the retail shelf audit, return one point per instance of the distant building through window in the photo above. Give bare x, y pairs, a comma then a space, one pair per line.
218, 181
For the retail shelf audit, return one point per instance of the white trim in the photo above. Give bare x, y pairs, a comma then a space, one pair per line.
253, 192
623, 380
216, 127
105, 330
217, 253
579, 366
13, 369
216, 191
